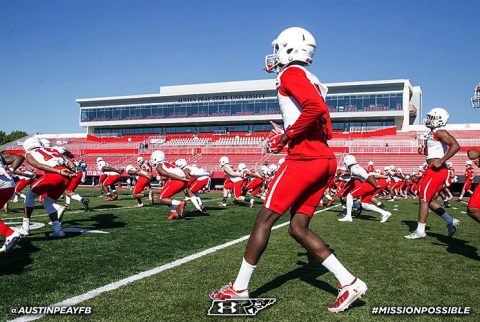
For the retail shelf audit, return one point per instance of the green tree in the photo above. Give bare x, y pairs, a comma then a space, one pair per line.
14, 135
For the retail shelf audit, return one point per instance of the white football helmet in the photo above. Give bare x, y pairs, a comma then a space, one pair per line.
264, 169
468, 163
45, 143
31, 144
242, 166
449, 164
399, 170
224, 160
140, 160
60, 149
181, 163
436, 117
370, 162
386, 168
129, 168
292, 44
157, 157
99, 159
280, 162
349, 160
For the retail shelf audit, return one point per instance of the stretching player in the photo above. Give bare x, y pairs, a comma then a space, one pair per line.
302, 178
175, 183
438, 147
7, 189
365, 188
473, 208
469, 176
53, 183
75, 182
182, 164
113, 176
143, 176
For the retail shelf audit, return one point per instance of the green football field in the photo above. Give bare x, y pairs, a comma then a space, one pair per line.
127, 241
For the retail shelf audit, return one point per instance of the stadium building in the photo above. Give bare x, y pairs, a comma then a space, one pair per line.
247, 106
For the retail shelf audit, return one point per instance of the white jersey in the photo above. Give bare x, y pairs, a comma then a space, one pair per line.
359, 172
232, 178
5, 180
197, 172
171, 168
48, 156
101, 164
434, 148
289, 107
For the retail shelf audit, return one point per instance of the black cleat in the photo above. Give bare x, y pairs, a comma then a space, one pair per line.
85, 202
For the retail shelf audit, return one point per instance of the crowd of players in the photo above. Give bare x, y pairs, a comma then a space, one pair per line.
297, 183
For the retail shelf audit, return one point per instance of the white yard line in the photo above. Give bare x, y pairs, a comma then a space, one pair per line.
115, 285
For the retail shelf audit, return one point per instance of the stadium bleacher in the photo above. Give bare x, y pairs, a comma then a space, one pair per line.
383, 147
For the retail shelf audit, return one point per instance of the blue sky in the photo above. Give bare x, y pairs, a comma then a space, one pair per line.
53, 52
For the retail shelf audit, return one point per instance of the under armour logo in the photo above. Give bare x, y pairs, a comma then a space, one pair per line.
248, 307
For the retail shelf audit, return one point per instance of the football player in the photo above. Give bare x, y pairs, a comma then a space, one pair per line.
473, 207
57, 175
469, 177
176, 181
75, 182
112, 177
235, 182
309, 166
365, 188
7, 189
438, 147
144, 177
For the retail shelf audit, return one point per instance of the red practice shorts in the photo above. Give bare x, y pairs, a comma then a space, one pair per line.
5, 195
432, 182
112, 179
51, 184
21, 184
474, 201
198, 185
102, 178
299, 185
171, 188
75, 182
468, 184
235, 186
255, 185
141, 184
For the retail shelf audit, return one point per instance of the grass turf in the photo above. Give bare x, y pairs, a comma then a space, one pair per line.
430, 272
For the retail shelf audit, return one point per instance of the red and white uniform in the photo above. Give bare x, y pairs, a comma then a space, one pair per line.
7, 184
75, 181
233, 182
111, 176
23, 180
142, 181
301, 180
51, 184
200, 178
433, 178
474, 201
171, 186
469, 176
451, 175
365, 188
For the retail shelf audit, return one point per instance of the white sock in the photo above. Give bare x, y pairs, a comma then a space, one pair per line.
244, 275
328, 197
77, 197
421, 228
67, 200
57, 207
195, 203
199, 200
26, 223
23, 196
175, 202
371, 207
349, 206
343, 276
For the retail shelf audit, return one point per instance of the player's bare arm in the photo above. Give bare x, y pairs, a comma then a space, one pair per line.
13, 160
452, 143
